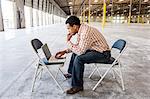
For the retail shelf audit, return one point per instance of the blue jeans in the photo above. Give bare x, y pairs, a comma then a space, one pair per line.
76, 66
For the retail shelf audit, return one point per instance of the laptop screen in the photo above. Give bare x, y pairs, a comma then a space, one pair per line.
46, 51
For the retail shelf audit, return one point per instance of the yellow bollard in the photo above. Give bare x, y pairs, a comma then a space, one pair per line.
138, 21
129, 19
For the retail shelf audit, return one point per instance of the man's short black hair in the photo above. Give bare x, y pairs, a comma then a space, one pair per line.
73, 20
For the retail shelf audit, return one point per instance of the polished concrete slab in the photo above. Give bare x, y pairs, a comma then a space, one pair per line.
17, 64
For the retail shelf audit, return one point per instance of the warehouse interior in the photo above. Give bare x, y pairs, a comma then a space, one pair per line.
23, 20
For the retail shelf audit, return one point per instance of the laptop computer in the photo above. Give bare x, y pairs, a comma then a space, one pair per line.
49, 56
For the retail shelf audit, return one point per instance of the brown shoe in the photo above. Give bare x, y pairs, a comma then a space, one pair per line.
74, 90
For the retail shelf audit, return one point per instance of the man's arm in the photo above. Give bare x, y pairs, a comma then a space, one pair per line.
82, 45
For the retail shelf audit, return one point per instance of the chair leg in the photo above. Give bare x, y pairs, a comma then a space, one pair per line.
56, 73
122, 82
34, 78
102, 78
92, 72
98, 71
113, 72
41, 73
96, 68
62, 73
54, 78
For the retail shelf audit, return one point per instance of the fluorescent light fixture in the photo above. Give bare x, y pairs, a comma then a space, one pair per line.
70, 3
134, 9
110, 5
125, 10
145, 0
97, 17
95, 1
121, 0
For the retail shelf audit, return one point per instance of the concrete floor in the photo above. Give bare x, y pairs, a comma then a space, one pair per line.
17, 66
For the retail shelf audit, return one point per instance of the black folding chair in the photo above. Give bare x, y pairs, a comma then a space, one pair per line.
44, 62
112, 64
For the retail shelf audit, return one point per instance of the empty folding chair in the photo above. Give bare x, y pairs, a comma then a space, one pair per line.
44, 62
114, 63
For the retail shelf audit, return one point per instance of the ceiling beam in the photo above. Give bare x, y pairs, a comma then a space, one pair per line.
83, 1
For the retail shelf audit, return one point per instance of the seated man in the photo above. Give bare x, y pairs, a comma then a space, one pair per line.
91, 47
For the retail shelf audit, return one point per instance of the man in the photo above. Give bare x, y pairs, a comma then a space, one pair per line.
91, 47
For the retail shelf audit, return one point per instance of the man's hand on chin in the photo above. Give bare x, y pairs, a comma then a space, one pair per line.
69, 36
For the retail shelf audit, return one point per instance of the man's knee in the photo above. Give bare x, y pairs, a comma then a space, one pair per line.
78, 59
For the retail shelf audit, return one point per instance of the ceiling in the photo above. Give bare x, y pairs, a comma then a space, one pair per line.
114, 7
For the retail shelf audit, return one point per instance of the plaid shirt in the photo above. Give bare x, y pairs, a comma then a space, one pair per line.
89, 38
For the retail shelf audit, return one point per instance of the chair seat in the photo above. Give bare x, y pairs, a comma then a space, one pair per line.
52, 62
110, 61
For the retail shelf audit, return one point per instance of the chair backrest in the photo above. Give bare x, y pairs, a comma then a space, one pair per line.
36, 44
119, 44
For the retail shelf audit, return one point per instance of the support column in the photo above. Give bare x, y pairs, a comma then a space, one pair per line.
48, 13
37, 12
130, 11
59, 17
1, 19
112, 8
81, 15
89, 16
20, 14
138, 21
52, 14
42, 13
31, 16
84, 13
104, 14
